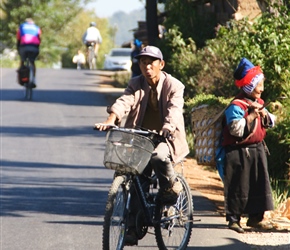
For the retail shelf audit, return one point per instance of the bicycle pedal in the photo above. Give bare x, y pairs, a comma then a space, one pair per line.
170, 211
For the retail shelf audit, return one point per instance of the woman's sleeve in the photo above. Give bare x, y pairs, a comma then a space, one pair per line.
235, 120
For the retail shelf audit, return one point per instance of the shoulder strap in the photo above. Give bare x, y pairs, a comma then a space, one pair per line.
236, 101
233, 101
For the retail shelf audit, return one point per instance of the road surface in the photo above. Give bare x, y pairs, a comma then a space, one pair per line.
53, 184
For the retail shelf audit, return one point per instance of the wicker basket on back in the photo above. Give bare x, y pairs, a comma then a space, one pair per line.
206, 128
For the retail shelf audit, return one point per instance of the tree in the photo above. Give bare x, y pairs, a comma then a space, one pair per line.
152, 23
51, 15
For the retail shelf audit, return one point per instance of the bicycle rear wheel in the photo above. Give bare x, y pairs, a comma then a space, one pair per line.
175, 222
28, 86
91, 58
28, 93
114, 224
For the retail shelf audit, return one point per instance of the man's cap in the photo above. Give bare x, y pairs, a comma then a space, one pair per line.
150, 51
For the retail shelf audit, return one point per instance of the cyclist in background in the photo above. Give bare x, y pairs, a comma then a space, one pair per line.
92, 35
28, 41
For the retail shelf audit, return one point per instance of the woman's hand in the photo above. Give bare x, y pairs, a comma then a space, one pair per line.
253, 111
263, 112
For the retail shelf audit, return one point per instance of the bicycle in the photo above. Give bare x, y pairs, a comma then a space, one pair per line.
26, 77
91, 56
128, 152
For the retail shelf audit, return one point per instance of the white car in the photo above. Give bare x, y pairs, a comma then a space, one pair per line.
118, 59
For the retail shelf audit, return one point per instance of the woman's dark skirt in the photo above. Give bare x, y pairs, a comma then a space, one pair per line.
246, 180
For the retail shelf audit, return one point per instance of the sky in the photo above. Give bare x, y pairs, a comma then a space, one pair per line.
106, 8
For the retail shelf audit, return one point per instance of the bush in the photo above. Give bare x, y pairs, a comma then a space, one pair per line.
209, 70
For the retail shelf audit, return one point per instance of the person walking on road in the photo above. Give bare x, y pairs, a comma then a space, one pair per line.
154, 101
247, 187
79, 59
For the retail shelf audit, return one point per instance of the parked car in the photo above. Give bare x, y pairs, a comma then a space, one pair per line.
118, 59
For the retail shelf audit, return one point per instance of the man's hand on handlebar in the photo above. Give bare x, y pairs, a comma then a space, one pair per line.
109, 123
166, 134
103, 126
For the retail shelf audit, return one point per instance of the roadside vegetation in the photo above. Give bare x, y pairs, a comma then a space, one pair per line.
206, 68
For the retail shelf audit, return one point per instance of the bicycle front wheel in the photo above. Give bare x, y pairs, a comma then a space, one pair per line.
174, 226
114, 225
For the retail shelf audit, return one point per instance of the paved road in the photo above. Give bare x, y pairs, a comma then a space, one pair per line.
53, 184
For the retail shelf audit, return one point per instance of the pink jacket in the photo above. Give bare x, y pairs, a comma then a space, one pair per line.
134, 100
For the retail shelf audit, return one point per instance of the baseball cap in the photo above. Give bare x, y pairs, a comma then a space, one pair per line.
150, 51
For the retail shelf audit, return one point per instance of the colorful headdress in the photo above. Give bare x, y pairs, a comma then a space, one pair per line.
248, 76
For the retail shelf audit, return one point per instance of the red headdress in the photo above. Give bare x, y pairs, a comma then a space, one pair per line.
250, 74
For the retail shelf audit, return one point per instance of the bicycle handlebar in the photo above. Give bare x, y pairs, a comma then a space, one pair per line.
135, 131
132, 130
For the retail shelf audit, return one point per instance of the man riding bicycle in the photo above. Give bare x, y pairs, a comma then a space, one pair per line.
92, 35
28, 41
154, 101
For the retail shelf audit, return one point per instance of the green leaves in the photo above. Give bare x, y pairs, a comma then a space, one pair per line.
207, 72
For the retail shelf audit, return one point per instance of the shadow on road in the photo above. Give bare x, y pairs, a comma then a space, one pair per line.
67, 97
49, 131
53, 195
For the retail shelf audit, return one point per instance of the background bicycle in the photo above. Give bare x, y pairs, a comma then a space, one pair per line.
128, 152
91, 56
26, 78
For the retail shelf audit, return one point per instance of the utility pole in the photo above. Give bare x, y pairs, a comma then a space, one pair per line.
151, 20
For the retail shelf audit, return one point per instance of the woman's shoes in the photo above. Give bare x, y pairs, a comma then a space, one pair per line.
236, 227
253, 222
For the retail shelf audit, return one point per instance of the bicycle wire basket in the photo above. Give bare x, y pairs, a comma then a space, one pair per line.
127, 152
206, 131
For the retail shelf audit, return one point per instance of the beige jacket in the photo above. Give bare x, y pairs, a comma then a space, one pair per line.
134, 100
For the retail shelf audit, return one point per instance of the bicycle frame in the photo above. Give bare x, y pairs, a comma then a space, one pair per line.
143, 201
147, 207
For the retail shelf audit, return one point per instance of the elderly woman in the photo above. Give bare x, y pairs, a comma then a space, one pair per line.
246, 180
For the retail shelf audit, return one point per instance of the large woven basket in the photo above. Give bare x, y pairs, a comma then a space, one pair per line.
206, 128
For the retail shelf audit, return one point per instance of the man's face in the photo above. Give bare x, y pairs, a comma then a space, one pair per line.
151, 68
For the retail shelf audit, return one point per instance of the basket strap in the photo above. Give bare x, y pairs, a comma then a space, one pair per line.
215, 118
222, 112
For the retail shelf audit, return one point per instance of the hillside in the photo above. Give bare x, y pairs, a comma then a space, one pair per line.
125, 23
